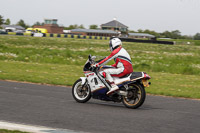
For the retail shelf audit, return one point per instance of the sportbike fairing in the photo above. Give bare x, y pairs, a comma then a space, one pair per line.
97, 87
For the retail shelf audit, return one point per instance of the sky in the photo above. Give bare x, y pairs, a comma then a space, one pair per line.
157, 15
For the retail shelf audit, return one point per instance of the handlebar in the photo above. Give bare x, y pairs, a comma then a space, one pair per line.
92, 59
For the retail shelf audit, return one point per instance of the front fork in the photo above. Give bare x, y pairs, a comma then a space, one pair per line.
83, 79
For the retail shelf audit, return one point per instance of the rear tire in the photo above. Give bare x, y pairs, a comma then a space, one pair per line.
136, 96
81, 93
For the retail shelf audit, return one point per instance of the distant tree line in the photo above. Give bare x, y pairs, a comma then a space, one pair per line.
8, 22
3, 21
75, 26
176, 34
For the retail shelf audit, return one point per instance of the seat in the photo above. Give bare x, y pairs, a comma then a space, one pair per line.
136, 75
125, 76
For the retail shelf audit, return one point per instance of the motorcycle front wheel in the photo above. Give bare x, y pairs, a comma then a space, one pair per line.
81, 93
135, 97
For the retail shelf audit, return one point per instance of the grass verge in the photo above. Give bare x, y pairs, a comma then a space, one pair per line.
10, 131
162, 83
174, 69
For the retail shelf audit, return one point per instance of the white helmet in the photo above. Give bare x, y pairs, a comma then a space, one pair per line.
114, 43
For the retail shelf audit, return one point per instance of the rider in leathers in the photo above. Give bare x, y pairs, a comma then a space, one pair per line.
122, 66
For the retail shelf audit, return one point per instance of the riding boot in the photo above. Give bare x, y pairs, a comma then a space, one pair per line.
113, 89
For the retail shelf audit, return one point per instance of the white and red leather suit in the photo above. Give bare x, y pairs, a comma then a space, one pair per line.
122, 66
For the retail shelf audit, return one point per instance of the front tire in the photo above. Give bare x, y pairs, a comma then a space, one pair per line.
135, 97
81, 93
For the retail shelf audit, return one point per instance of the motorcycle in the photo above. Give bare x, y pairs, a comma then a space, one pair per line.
131, 87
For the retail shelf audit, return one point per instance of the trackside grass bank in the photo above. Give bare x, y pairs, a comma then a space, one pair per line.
175, 69
10, 131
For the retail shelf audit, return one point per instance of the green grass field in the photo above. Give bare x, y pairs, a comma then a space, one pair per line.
10, 131
175, 69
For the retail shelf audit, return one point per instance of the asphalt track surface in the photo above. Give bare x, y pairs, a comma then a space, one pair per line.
54, 106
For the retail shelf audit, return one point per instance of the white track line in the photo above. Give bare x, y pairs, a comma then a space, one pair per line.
32, 129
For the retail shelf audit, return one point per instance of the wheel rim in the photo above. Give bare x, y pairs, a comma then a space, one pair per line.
134, 95
81, 92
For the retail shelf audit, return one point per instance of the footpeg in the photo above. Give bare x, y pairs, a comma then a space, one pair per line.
124, 93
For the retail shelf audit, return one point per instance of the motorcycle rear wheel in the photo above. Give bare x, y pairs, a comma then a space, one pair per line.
136, 96
81, 93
